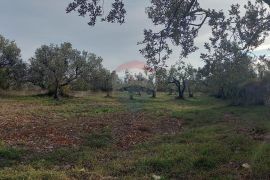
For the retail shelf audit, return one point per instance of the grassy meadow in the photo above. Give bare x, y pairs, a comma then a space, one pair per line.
92, 137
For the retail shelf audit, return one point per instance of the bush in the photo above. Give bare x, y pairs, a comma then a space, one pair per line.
254, 93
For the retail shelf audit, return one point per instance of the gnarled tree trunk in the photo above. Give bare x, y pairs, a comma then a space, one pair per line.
180, 88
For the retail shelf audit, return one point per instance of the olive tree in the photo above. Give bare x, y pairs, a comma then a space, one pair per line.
183, 75
110, 82
177, 76
12, 68
95, 77
54, 67
229, 60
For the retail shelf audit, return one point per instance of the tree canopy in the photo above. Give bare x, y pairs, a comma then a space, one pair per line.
54, 67
178, 20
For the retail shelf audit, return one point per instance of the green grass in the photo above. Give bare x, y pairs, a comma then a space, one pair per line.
9, 156
29, 173
99, 140
213, 144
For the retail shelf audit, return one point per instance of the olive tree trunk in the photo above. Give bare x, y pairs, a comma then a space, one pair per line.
56, 92
180, 88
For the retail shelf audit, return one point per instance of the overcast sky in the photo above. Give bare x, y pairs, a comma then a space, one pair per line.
32, 23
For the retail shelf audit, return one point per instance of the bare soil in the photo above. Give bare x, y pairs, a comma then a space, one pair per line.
46, 133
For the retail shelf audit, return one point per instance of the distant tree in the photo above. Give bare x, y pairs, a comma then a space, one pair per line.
162, 80
177, 76
127, 77
184, 77
110, 82
141, 82
129, 84
171, 89
155, 61
135, 84
96, 75
12, 68
54, 67
191, 79
93, 78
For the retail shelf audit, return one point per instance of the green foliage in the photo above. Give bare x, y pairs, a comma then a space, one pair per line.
9, 156
55, 67
228, 61
94, 78
12, 68
255, 92
184, 77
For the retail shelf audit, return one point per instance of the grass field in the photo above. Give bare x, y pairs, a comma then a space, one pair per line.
116, 138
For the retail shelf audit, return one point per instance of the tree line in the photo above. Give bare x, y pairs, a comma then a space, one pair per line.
231, 68
238, 76
53, 68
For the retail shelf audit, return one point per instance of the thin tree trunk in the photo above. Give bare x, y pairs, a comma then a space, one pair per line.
184, 88
180, 89
56, 93
107, 88
154, 93
180, 94
190, 93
